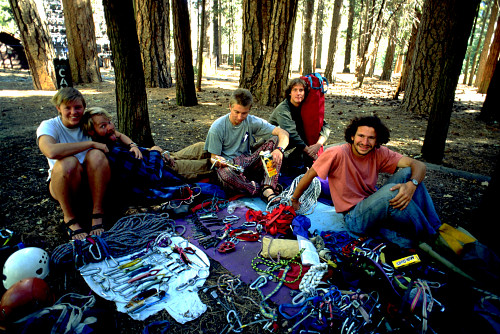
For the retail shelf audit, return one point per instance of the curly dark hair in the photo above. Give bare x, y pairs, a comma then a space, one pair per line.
293, 82
381, 130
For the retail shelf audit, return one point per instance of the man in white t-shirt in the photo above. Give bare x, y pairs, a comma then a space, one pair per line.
229, 139
75, 162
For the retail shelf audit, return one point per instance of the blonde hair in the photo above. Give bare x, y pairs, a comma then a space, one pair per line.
88, 122
68, 94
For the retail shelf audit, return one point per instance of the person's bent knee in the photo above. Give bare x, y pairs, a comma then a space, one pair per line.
96, 158
66, 166
386, 192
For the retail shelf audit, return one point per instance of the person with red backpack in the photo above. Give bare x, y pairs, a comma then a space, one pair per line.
307, 128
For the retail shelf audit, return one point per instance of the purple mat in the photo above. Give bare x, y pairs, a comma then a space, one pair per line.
239, 262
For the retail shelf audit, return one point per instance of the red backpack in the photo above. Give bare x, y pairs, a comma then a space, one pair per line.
313, 108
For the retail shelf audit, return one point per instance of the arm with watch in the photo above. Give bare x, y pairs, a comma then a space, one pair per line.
406, 190
283, 140
125, 140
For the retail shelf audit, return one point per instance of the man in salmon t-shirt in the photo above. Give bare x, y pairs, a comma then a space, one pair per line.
402, 205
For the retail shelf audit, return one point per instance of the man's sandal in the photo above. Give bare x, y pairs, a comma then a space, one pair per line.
269, 197
97, 226
73, 233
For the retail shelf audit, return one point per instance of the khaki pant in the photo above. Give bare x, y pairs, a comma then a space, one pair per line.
193, 162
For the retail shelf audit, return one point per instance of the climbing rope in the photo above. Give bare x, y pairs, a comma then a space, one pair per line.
130, 234
312, 278
308, 200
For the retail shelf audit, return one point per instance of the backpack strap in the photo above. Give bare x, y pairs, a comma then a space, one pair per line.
323, 82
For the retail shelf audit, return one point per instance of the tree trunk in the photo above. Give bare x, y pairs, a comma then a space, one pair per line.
153, 30
488, 233
307, 41
403, 80
270, 87
491, 106
37, 43
363, 19
474, 57
371, 26
254, 41
332, 46
348, 38
301, 54
433, 80
374, 53
469, 47
486, 45
201, 46
391, 48
216, 51
184, 74
318, 37
491, 62
82, 46
131, 99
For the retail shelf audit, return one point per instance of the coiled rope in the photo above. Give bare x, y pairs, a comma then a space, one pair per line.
130, 234
308, 200
312, 278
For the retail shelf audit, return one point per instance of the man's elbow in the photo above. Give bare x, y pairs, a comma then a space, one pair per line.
283, 133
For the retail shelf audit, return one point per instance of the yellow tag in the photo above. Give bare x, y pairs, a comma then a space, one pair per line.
267, 161
406, 261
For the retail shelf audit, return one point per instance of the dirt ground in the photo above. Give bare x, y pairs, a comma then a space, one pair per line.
471, 148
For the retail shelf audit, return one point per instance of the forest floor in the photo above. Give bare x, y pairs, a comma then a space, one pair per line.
471, 150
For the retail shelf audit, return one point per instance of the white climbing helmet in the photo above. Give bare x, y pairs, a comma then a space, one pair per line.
25, 263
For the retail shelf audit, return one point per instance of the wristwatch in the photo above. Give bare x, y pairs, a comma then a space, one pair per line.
281, 149
415, 182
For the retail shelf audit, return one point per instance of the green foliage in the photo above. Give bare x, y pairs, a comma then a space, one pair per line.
7, 22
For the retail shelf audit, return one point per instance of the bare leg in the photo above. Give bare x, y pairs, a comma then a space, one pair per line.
98, 175
64, 186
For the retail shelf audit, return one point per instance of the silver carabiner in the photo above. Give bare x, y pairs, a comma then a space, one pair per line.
258, 283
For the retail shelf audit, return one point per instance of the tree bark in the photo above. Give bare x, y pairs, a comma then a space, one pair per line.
82, 46
438, 59
391, 48
476, 51
403, 80
371, 26
184, 74
348, 38
332, 46
307, 41
254, 42
486, 45
201, 46
131, 99
491, 106
491, 62
469, 47
273, 77
318, 37
37, 43
216, 45
153, 30
373, 54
